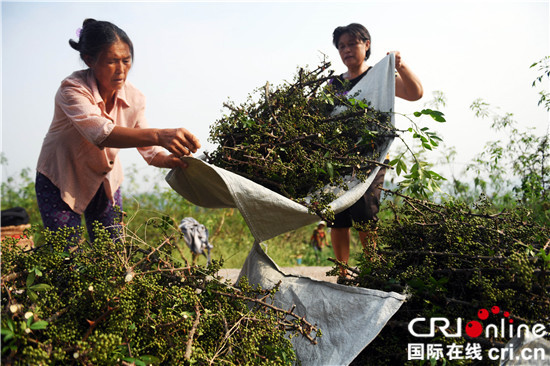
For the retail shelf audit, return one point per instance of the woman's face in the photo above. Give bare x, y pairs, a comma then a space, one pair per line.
111, 68
352, 50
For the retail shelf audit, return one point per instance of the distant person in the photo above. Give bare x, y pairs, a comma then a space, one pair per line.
97, 112
319, 239
354, 46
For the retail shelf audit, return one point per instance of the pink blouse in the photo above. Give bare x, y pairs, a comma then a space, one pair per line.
71, 157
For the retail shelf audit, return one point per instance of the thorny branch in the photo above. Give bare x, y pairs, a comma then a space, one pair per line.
196, 321
299, 323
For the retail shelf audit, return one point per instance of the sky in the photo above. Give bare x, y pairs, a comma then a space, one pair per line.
191, 57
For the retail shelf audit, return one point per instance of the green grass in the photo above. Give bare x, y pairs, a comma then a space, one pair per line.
229, 234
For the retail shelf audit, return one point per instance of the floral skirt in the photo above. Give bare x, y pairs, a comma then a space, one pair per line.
57, 214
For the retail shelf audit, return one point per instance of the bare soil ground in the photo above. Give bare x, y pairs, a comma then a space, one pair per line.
318, 273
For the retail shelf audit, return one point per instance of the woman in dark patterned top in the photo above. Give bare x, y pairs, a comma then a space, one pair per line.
354, 46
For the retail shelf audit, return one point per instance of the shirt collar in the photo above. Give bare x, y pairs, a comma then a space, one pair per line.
120, 94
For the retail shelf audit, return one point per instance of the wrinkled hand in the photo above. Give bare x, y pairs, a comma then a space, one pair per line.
178, 141
162, 160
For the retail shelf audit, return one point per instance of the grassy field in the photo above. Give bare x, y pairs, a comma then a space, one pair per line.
231, 238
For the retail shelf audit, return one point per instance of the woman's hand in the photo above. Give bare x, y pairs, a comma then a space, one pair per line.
162, 160
178, 141
397, 55
407, 84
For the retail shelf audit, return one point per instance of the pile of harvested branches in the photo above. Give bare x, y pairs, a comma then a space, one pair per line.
454, 260
128, 303
290, 141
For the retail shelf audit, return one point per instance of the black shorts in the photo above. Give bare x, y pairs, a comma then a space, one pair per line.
365, 210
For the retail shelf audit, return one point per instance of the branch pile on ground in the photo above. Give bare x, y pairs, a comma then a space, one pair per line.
126, 302
289, 140
454, 260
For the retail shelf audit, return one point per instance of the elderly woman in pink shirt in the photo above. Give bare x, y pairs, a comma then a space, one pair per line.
97, 112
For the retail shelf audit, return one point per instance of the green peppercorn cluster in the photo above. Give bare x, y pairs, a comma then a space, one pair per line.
290, 139
128, 302
452, 260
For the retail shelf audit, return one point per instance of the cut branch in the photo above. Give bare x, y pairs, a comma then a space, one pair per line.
189, 344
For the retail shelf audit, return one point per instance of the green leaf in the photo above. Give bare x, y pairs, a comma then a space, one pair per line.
402, 166
330, 169
30, 278
41, 324
542, 254
11, 325
148, 359
6, 332
398, 169
394, 161
8, 337
435, 176
429, 186
33, 296
40, 287
436, 115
